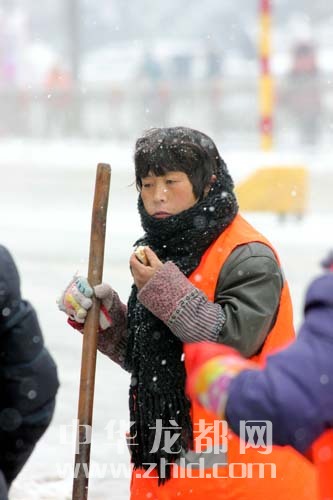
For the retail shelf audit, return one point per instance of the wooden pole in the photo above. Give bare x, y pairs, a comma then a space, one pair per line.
91, 326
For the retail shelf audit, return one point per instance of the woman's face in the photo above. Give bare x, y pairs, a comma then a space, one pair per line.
167, 194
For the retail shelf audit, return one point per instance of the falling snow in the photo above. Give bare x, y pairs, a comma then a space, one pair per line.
49, 239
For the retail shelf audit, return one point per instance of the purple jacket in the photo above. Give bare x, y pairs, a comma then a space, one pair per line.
295, 390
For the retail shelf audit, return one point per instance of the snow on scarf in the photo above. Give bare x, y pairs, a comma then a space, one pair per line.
154, 355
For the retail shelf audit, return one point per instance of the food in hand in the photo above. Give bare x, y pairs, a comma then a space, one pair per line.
141, 255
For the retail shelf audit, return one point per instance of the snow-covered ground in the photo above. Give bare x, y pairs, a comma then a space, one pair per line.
45, 201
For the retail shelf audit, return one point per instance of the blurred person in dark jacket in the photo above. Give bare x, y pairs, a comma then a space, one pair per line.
28, 377
294, 391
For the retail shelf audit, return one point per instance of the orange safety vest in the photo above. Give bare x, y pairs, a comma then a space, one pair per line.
322, 455
241, 473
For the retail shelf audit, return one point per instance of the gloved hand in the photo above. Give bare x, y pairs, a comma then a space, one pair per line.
76, 302
211, 369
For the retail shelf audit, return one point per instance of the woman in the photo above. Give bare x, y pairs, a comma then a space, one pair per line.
210, 276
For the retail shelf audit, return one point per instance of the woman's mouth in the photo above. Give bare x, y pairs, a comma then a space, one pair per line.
161, 215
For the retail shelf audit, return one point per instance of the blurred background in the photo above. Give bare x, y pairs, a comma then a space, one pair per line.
79, 80
108, 69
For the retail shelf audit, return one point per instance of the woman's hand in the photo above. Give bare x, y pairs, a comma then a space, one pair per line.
142, 273
76, 301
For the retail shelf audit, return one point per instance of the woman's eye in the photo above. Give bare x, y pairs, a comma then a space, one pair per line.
170, 181
146, 185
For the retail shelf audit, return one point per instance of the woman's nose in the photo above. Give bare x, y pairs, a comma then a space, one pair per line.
160, 193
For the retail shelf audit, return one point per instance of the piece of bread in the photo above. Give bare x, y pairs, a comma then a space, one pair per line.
141, 255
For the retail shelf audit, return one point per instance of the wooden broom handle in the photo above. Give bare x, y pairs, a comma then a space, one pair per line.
91, 327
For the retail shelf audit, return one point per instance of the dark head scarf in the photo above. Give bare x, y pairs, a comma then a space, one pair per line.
154, 355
